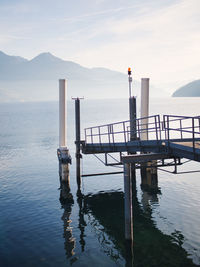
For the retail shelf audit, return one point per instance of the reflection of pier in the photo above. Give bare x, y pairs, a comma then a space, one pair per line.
151, 246
108, 222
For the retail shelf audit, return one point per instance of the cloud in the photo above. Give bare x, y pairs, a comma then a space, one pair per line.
18, 8
163, 43
94, 15
158, 38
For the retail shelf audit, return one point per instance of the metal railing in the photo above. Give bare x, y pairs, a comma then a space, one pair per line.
182, 127
122, 132
149, 128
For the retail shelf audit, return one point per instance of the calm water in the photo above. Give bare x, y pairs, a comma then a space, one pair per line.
39, 228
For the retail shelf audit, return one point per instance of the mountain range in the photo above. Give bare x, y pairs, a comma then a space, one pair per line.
48, 67
37, 80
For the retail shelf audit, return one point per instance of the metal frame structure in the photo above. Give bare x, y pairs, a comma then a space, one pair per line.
176, 136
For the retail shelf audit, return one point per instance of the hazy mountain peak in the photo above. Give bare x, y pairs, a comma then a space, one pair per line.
46, 56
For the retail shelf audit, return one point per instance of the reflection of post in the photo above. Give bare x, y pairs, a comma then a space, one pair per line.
82, 222
66, 196
66, 200
148, 198
128, 203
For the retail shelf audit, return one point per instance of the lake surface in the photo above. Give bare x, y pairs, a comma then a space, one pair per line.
39, 228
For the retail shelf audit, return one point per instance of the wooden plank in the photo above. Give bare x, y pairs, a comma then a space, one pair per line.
188, 144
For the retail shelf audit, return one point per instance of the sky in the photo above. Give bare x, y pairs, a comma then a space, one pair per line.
159, 39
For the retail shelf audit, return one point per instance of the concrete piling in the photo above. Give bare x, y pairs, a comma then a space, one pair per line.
62, 113
144, 107
63, 152
149, 178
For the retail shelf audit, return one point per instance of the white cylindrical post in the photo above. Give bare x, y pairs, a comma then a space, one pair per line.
144, 107
62, 113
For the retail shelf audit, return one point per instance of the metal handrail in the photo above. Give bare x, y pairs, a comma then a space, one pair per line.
122, 129
108, 130
169, 119
127, 121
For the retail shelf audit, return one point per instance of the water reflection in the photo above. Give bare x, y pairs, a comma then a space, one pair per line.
151, 246
149, 198
105, 213
82, 223
67, 201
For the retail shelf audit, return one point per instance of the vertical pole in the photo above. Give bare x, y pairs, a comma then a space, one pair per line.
145, 172
148, 175
144, 107
77, 142
133, 130
133, 116
128, 209
63, 152
62, 113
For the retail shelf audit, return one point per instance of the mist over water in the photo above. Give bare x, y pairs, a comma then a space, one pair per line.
39, 227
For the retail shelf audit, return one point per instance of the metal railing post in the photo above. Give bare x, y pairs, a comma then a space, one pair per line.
85, 136
168, 130
109, 130
124, 128
113, 136
159, 127
155, 118
91, 135
181, 128
193, 135
99, 132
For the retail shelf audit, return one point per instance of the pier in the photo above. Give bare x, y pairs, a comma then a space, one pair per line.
148, 143
170, 138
